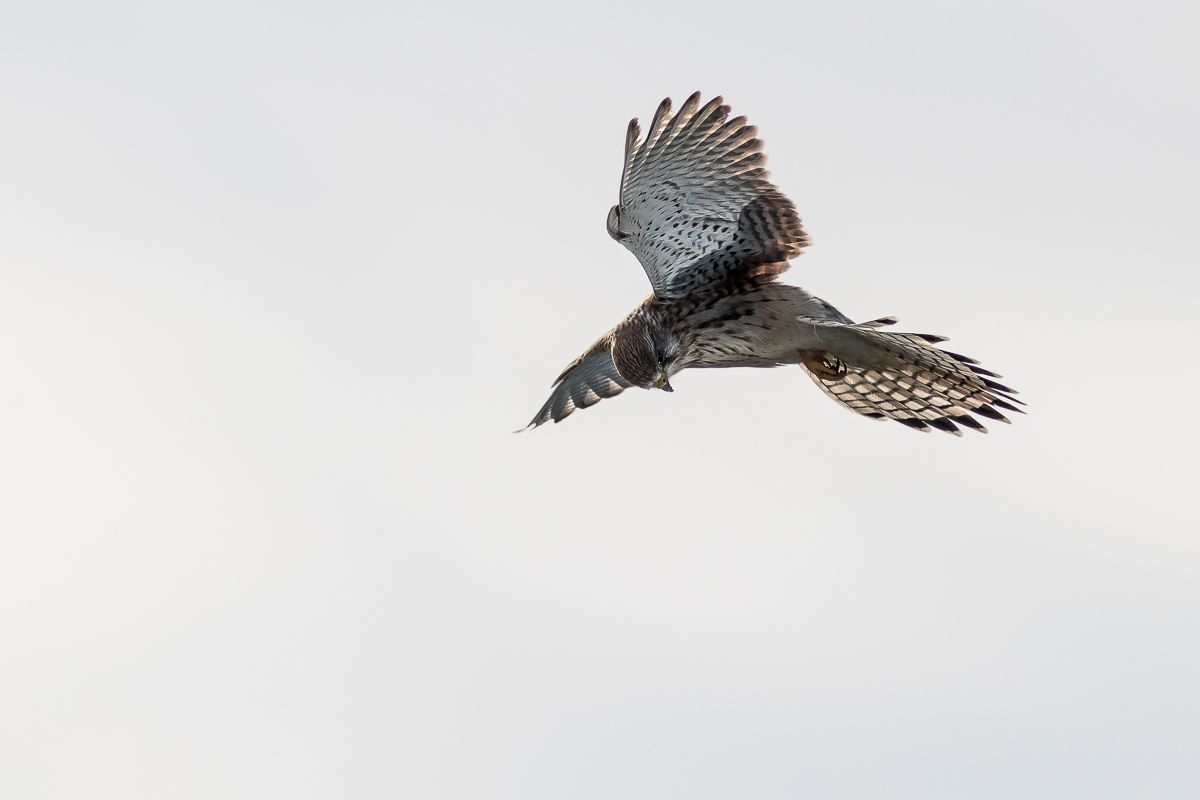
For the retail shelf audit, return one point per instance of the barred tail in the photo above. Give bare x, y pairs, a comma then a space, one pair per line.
909, 380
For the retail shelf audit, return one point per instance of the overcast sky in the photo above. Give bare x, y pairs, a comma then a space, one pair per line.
278, 280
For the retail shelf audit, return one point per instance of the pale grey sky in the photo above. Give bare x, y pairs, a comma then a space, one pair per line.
277, 280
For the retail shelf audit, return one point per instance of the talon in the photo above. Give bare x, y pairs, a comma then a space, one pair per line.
823, 365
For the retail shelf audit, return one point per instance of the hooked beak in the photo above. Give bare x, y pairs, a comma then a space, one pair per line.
662, 383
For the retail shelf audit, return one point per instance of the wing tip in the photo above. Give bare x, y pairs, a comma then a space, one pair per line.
632, 134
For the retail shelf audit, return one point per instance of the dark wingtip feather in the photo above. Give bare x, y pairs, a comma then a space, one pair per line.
915, 424
998, 387
990, 413
933, 338
944, 424
968, 421
959, 356
1007, 406
632, 134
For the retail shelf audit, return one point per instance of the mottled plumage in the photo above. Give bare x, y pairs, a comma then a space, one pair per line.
713, 234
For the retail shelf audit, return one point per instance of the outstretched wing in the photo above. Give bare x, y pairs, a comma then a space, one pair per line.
696, 203
589, 379
911, 381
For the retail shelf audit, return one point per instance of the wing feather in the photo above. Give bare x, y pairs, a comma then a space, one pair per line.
586, 381
922, 387
696, 203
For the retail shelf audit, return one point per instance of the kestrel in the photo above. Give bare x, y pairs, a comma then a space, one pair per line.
713, 234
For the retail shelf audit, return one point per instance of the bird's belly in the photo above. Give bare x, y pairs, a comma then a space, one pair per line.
747, 344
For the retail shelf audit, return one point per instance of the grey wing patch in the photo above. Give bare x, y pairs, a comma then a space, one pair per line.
696, 202
768, 234
921, 386
591, 378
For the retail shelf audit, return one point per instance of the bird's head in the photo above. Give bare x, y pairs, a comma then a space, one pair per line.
646, 355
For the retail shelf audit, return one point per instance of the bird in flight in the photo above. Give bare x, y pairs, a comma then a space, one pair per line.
713, 234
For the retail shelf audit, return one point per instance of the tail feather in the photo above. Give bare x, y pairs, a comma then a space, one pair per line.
911, 381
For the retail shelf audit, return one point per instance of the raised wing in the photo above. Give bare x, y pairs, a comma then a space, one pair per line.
589, 379
696, 203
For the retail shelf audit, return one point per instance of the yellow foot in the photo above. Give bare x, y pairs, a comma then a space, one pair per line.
823, 365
